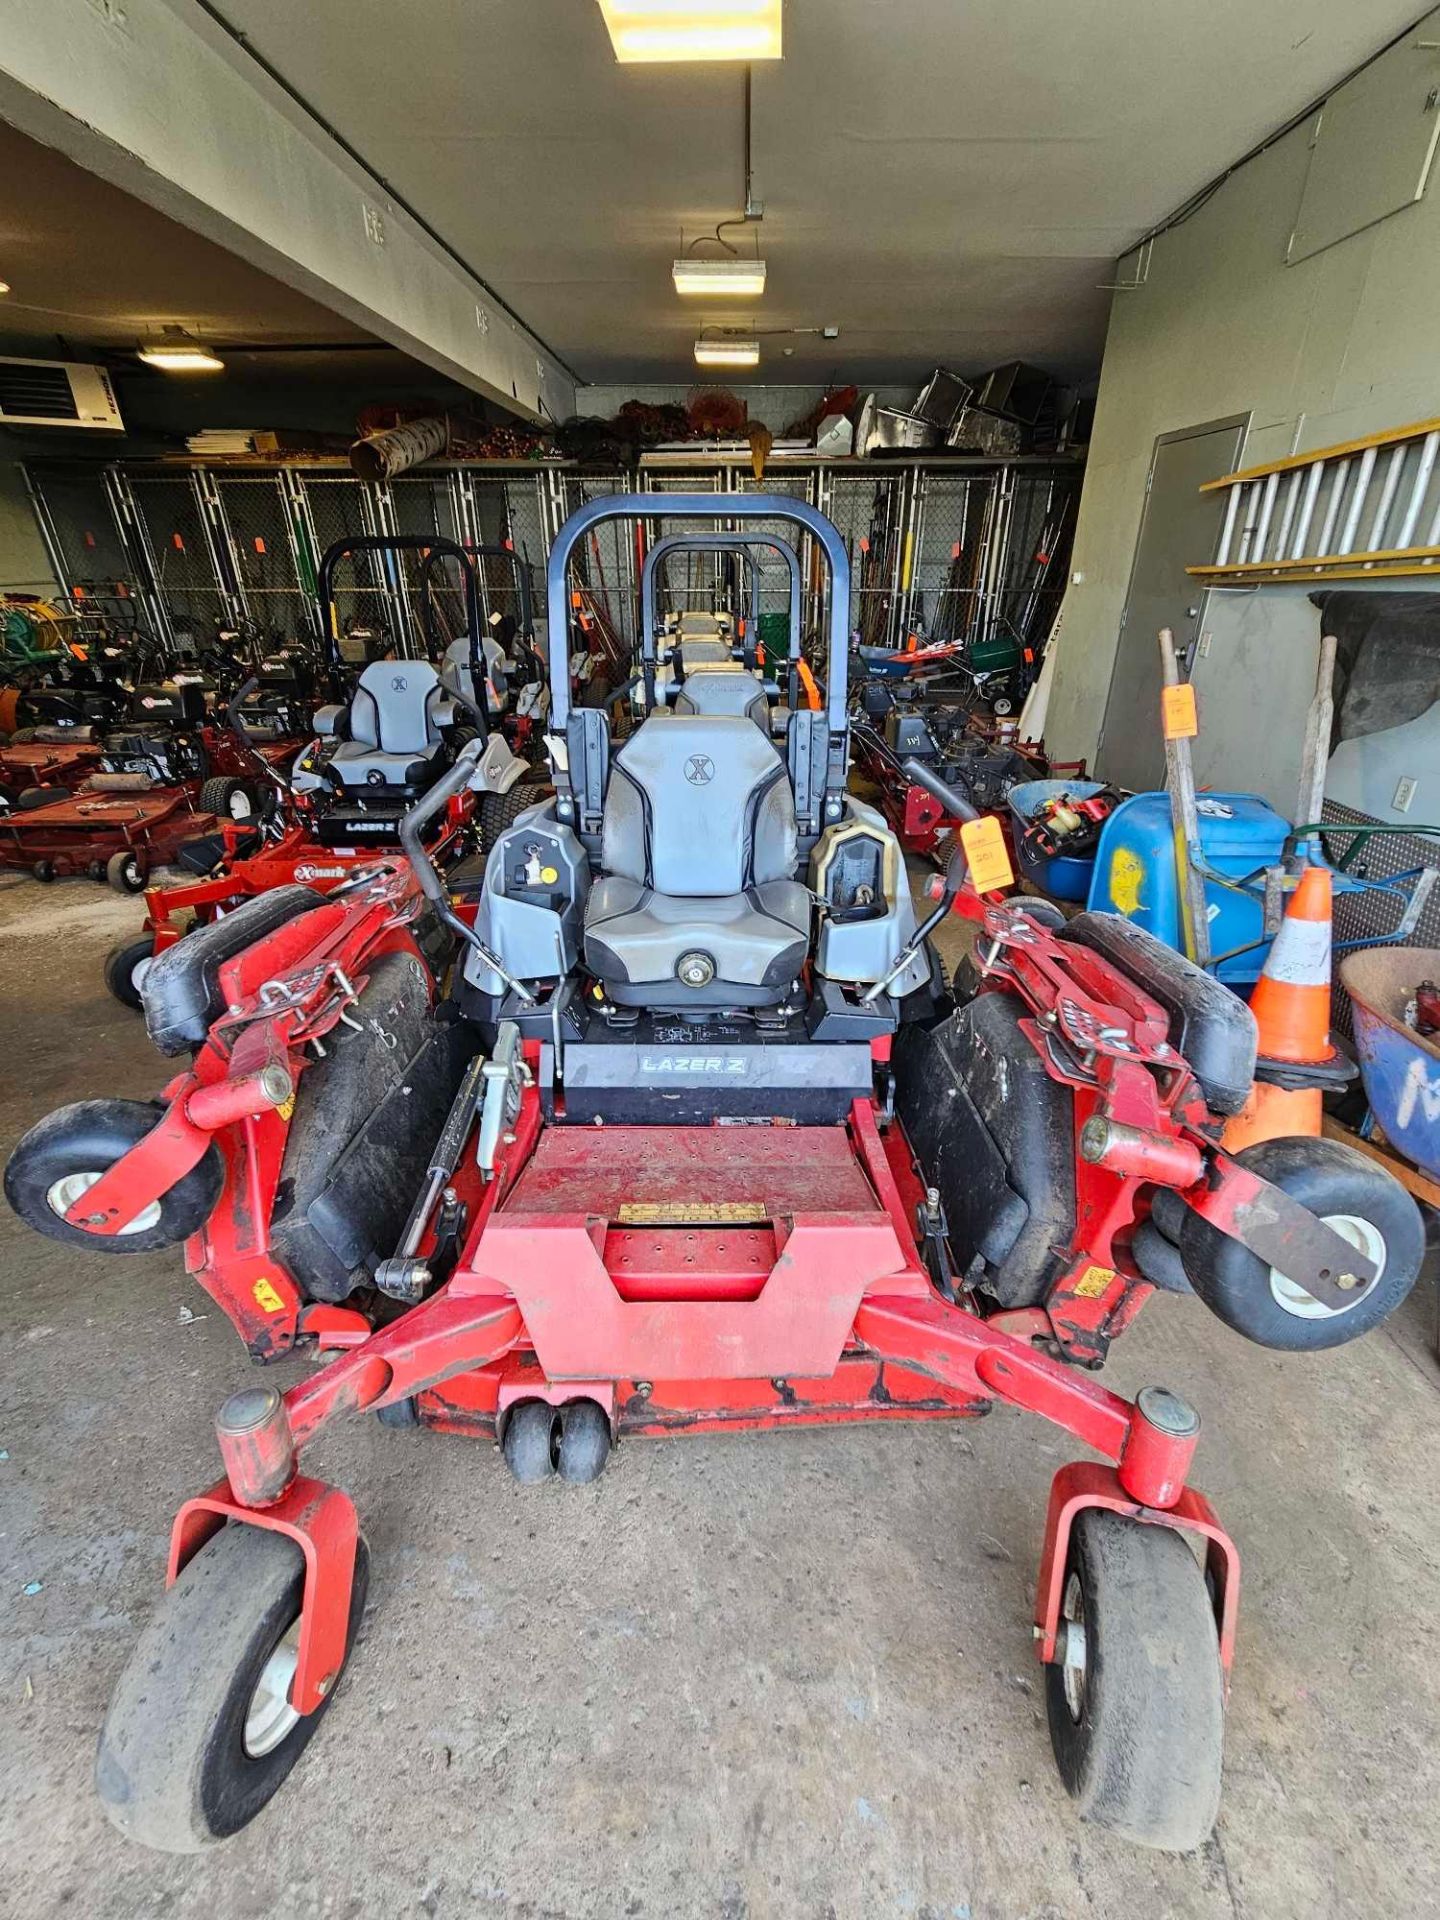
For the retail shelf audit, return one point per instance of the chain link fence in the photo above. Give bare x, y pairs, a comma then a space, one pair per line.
947, 554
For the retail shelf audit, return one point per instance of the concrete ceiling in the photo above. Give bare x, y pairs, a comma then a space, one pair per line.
95, 268
946, 180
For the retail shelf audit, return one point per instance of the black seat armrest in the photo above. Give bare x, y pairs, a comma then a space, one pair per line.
181, 992
1210, 1027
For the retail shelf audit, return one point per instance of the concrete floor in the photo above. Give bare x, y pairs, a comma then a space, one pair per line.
748, 1677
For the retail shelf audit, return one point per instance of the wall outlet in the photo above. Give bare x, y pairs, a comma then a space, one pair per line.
374, 224
1404, 793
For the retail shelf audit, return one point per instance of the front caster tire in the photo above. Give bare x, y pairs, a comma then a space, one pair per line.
127, 871
200, 1732
1360, 1200
67, 1152
531, 1441
126, 967
1135, 1696
584, 1442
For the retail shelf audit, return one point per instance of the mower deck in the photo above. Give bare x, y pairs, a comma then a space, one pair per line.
88, 828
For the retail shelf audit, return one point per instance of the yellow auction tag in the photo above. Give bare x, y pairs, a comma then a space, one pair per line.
265, 1297
1093, 1282
1178, 712
987, 854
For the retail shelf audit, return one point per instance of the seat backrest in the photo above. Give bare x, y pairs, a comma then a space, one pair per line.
394, 707
699, 805
726, 690
459, 672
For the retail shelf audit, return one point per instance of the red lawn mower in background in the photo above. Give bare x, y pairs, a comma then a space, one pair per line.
358, 777
166, 772
697, 1139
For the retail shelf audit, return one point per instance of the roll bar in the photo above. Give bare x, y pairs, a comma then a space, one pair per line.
722, 543
698, 506
441, 551
426, 543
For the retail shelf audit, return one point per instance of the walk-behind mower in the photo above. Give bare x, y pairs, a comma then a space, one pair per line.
697, 1142
286, 846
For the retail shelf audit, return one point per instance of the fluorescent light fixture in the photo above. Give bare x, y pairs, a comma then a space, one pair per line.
724, 279
178, 353
727, 353
649, 30
4, 286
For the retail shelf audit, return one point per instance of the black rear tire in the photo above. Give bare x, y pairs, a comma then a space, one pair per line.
173, 1769
1341, 1186
43, 871
123, 963
231, 799
88, 1137
29, 798
497, 811
1137, 1719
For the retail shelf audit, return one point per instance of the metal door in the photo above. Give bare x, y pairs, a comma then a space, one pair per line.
1178, 529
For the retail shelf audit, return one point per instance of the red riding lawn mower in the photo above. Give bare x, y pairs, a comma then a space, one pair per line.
165, 773
696, 1139
360, 775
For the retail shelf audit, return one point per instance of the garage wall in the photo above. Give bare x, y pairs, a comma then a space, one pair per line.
23, 565
1339, 344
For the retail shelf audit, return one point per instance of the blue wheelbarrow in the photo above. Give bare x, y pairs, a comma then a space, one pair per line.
1400, 1068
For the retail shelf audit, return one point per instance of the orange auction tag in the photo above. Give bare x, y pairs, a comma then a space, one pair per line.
987, 853
1177, 712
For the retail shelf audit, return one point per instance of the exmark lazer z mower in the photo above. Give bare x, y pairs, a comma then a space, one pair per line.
696, 1141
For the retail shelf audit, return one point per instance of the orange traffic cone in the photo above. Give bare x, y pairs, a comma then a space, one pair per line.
1291, 1005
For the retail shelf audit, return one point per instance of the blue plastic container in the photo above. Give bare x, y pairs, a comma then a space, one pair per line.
1056, 874
1135, 872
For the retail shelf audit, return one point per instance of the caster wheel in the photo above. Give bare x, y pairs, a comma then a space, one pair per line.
65, 1154
126, 967
1363, 1203
530, 1445
126, 871
400, 1413
95, 870
1135, 1695
43, 870
584, 1442
200, 1731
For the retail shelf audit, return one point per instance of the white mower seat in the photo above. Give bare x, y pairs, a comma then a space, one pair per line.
698, 905
396, 716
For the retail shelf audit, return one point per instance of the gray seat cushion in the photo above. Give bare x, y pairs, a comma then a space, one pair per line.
396, 715
727, 691
699, 851
699, 804
756, 942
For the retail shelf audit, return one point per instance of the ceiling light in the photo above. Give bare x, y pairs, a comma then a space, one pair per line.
4, 286
727, 353
725, 279
178, 353
693, 29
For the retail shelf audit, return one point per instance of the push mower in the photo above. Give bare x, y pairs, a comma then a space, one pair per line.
287, 846
698, 1141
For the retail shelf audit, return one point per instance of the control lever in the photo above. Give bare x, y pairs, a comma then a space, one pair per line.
955, 870
432, 886
405, 1276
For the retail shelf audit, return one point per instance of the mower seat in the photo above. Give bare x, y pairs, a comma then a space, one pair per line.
459, 672
396, 717
181, 993
724, 690
1209, 1026
698, 905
